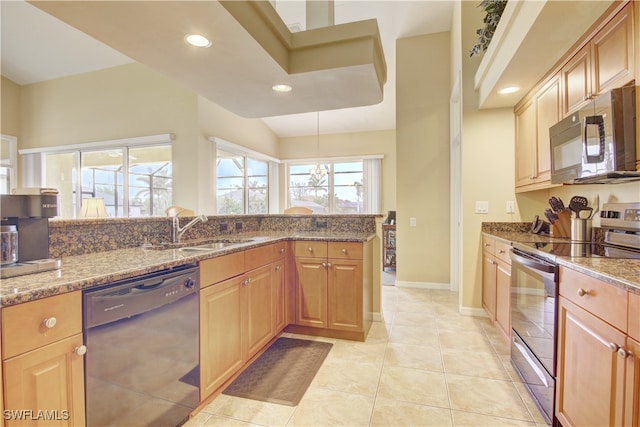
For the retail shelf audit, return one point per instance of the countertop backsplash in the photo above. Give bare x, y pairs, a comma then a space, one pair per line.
86, 236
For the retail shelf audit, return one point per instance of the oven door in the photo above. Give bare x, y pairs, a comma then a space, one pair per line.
534, 293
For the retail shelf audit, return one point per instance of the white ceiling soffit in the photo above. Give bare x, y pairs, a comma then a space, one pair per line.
329, 68
530, 38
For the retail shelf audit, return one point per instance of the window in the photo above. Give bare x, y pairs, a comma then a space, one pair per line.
132, 176
339, 186
242, 184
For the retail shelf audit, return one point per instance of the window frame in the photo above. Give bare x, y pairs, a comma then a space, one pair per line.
372, 185
37, 156
246, 153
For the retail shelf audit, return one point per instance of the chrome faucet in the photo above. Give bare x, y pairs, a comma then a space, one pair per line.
177, 232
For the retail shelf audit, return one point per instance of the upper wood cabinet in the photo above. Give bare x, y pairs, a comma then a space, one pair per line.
605, 62
533, 120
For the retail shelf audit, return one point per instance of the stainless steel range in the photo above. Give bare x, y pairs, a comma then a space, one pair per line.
534, 295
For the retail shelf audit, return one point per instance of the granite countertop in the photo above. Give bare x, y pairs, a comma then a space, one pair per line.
84, 271
623, 273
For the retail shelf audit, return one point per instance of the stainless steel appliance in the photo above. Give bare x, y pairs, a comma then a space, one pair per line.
29, 215
598, 143
534, 294
142, 363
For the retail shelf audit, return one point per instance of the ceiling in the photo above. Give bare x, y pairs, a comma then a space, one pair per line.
38, 47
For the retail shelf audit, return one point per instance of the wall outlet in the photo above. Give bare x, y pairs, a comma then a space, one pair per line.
321, 224
511, 207
482, 207
238, 226
223, 226
412, 222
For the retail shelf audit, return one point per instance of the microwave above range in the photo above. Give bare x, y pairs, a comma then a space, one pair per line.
597, 144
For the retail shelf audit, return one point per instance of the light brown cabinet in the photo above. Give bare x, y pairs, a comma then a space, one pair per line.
606, 62
597, 378
43, 363
533, 120
332, 288
240, 313
496, 282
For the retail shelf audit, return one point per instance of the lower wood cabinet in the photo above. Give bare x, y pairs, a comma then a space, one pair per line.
496, 282
43, 363
239, 315
598, 376
48, 383
333, 288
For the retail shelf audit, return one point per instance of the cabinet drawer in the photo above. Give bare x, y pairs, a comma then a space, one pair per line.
23, 325
489, 244
344, 250
311, 249
502, 250
217, 269
280, 250
602, 299
257, 257
634, 316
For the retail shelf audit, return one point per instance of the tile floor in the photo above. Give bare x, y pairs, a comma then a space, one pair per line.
425, 365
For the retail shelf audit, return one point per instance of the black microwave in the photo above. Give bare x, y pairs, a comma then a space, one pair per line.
597, 144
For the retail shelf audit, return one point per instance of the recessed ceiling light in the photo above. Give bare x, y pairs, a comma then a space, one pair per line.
281, 88
197, 40
508, 90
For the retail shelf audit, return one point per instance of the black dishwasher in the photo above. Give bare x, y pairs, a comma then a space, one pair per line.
141, 367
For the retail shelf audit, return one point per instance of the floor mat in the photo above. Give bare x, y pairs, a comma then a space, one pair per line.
282, 373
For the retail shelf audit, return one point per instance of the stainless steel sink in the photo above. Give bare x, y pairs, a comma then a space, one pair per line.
218, 244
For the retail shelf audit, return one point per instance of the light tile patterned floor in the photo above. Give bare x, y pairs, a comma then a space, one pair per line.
425, 365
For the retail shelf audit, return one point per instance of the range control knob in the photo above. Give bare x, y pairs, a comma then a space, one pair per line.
189, 283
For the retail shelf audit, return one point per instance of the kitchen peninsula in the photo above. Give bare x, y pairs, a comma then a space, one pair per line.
42, 314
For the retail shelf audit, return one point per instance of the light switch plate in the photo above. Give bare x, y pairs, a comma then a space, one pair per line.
412, 222
482, 207
511, 207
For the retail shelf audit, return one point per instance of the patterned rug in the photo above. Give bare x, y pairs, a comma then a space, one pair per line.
282, 373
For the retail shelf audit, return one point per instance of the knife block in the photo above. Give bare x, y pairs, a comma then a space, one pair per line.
562, 227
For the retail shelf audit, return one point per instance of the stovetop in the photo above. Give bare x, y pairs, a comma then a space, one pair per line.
579, 250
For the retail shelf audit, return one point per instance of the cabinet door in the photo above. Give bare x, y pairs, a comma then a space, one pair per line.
503, 297
632, 400
590, 377
311, 292
489, 285
576, 81
259, 305
344, 294
221, 344
279, 295
525, 144
547, 114
612, 52
50, 378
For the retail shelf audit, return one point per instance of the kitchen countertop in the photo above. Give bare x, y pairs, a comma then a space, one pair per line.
624, 273
84, 271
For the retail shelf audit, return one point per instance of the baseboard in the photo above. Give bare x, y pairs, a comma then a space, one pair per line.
423, 285
473, 311
377, 317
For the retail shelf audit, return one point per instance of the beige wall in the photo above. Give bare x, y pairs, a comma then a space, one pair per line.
10, 108
422, 149
132, 100
351, 144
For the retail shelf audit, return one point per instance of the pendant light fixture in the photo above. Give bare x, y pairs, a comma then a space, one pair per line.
319, 170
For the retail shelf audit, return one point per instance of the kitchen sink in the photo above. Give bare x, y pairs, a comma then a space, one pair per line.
218, 244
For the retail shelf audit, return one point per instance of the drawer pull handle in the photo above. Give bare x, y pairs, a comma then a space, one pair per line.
278, 268
486, 245
328, 265
501, 251
583, 292
310, 249
613, 346
344, 251
50, 322
281, 250
81, 350
324, 265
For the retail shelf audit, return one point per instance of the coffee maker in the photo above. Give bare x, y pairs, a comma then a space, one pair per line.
29, 215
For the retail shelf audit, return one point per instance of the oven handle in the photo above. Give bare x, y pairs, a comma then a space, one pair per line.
532, 263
